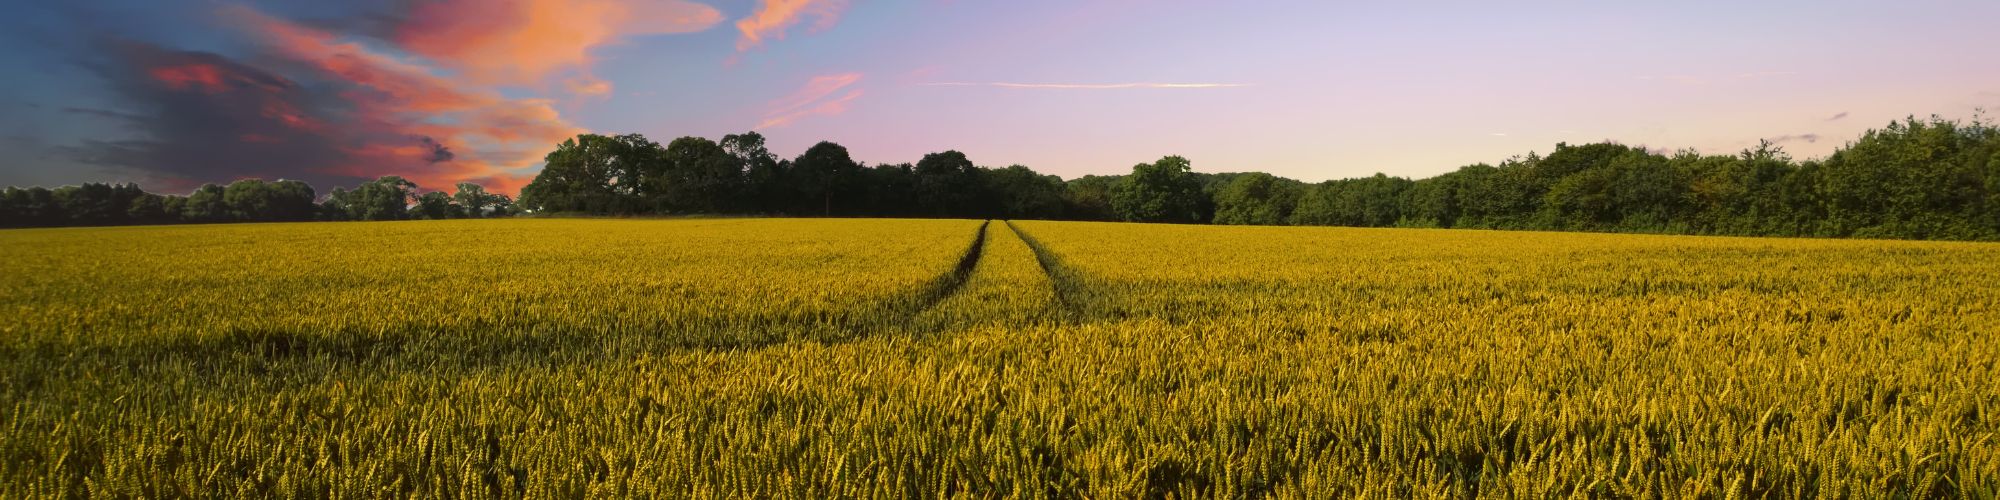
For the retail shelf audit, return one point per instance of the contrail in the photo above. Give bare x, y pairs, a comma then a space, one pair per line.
1088, 86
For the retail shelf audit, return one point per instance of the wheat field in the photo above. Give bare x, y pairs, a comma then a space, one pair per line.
818, 358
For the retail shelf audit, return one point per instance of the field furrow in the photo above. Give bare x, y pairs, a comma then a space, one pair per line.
1007, 288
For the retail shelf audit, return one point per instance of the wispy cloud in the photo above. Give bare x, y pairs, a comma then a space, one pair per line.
1837, 117
588, 86
1088, 86
816, 98
817, 88
1498, 134
1807, 138
773, 17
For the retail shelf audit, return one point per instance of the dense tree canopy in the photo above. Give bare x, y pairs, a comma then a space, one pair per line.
1936, 179
1257, 198
1162, 191
246, 200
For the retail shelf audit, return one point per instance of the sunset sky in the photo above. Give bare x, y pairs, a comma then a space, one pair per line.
174, 93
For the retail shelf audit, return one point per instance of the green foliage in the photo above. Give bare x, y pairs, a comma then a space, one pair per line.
206, 204
1915, 179
259, 201
579, 176
1162, 191
945, 184
1089, 198
825, 173
701, 177
1369, 202
1256, 199
148, 209
765, 187
1024, 193
473, 200
386, 198
435, 205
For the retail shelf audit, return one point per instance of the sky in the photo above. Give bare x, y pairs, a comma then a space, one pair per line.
175, 93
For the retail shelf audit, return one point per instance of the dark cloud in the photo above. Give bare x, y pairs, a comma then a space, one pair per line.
196, 117
1837, 116
436, 152
272, 96
199, 117
377, 19
32, 161
1807, 138
116, 116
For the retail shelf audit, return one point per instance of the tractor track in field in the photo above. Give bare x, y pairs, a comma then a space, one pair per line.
950, 283
1067, 285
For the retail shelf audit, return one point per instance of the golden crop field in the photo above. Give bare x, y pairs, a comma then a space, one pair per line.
817, 358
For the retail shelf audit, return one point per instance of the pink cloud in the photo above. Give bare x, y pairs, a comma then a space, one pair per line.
774, 17
813, 100
206, 77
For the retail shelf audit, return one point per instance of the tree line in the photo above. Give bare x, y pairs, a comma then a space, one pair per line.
246, 200
1918, 179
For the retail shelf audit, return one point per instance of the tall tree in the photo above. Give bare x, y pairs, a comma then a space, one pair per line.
1162, 191
640, 175
767, 190
385, 198
206, 204
945, 185
826, 177
701, 177
435, 205
577, 177
473, 199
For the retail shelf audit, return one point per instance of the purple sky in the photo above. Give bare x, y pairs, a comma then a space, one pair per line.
179, 92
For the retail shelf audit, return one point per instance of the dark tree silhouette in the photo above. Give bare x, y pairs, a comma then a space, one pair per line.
1934, 179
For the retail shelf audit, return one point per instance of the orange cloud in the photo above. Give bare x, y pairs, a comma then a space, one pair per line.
812, 100
588, 86
524, 42
774, 17
392, 101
